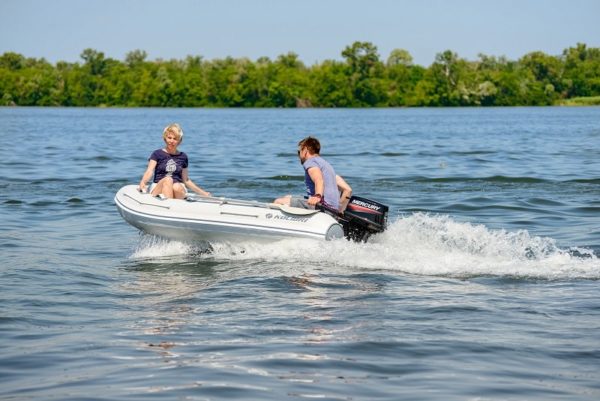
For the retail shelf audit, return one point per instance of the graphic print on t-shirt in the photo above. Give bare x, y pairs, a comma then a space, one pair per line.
171, 167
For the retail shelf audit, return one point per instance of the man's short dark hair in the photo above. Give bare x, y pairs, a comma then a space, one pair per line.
312, 144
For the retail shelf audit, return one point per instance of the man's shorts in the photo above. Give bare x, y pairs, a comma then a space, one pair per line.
301, 202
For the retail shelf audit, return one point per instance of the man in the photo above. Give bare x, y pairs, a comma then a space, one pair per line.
322, 184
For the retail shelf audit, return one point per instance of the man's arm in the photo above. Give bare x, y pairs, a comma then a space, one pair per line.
317, 177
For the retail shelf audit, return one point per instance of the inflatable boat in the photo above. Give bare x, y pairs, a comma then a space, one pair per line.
214, 219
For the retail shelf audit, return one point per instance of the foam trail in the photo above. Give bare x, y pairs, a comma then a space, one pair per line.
416, 244
433, 245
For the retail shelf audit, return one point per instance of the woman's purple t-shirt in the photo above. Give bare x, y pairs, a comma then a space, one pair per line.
169, 165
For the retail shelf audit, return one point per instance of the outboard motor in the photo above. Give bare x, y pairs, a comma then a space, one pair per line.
362, 218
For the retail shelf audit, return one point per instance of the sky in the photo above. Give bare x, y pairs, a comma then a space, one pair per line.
316, 30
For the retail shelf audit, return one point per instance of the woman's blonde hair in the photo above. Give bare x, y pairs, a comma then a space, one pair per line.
173, 129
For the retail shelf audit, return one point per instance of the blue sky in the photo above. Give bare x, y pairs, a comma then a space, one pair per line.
314, 29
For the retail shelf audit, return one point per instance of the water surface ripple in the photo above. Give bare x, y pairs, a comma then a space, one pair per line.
484, 287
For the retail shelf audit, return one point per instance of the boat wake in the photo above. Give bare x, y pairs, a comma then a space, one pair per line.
418, 244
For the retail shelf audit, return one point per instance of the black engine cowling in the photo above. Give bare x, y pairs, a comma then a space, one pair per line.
362, 218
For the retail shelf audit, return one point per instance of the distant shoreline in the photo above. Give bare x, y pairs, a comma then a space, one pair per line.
577, 102
363, 80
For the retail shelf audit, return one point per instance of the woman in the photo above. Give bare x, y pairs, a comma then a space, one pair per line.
170, 168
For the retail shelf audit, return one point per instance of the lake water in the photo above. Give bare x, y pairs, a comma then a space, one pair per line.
486, 286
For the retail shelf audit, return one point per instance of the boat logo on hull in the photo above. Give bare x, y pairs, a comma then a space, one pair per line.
284, 217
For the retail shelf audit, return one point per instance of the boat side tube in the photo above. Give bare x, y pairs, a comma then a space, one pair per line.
222, 219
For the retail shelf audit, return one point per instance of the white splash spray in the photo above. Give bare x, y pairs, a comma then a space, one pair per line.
152, 247
417, 244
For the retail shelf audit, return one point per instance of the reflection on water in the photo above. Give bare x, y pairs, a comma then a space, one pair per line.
167, 298
317, 311
490, 265
324, 298
161, 300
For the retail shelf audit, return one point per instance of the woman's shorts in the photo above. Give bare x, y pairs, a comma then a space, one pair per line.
153, 185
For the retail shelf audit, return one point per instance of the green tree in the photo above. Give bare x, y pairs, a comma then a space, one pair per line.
135, 58
445, 75
12, 61
330, 85
366, 72
401, 77
289, 87
582, 71
547, 71
361, 80
399, 57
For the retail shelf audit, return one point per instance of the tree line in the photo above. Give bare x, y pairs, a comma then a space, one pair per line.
361, 79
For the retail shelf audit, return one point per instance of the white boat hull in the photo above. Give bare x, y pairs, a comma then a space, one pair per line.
211, 219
